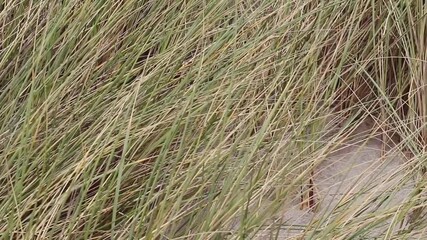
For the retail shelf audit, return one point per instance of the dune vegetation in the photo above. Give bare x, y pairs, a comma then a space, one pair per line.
199, 119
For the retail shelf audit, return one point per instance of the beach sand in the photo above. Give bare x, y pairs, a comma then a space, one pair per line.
351, 184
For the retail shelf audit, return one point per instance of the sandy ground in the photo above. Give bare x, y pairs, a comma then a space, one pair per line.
360, 172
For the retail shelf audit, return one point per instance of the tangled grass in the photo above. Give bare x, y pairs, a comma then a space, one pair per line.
172, 119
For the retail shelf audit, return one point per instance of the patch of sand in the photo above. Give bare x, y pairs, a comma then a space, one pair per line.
358, 172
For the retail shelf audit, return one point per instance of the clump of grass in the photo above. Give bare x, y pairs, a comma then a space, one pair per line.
172, 119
